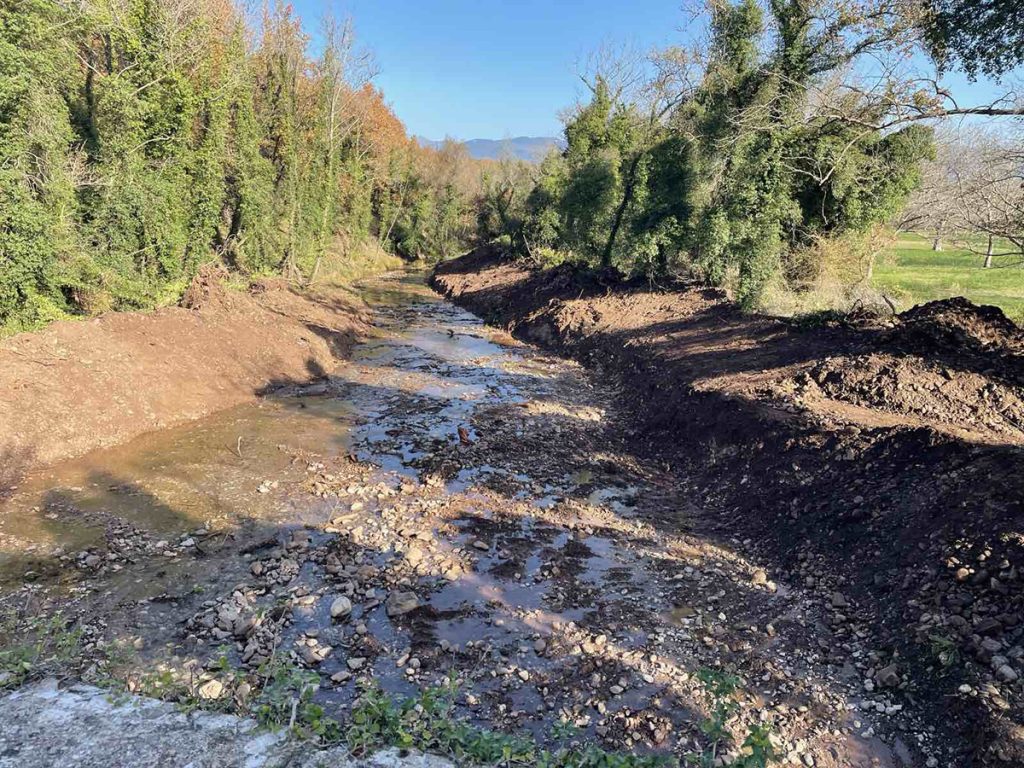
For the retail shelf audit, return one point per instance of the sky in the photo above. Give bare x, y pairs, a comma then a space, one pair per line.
493, 69
496, 69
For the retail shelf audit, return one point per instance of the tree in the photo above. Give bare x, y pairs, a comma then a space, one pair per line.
736, 158
934, 208
990, 191
978, 37
143, 139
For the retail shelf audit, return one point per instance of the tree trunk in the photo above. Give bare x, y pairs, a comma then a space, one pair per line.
606, 256
988, 253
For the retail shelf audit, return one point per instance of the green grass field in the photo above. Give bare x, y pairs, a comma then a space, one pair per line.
913, 273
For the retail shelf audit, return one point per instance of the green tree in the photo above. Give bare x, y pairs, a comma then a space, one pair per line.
978, 37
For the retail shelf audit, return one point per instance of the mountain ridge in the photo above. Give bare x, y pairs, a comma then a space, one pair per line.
529, 148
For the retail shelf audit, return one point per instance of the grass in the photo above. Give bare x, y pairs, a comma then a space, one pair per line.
913, 273
428, 723
43, 646
284, 699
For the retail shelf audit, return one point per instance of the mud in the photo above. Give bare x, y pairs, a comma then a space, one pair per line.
877, 464
78, 386
452, 503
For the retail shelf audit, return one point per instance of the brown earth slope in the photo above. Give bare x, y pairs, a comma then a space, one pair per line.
76, 386
881, 464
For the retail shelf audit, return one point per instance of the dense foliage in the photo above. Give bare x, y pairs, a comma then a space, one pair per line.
141, 139
737, 177
980, 37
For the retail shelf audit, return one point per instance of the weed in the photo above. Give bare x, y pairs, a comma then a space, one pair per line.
35, 648
286, 701
756, 751
428, 723
945, 649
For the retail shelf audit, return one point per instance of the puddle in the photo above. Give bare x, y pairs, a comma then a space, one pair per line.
403, 395
526, 579
202, 473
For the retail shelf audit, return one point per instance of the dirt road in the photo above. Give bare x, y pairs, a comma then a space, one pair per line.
451, 503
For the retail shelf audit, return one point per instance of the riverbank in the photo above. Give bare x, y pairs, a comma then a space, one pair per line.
77, 386
877, 463
454, 519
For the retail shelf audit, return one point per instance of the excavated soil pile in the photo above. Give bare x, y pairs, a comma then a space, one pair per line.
76, 386
881, 464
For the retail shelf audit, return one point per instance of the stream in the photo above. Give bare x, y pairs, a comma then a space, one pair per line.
449, 503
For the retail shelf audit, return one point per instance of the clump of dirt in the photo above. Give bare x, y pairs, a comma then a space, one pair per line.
883, 463
956, 324
206, 286
963, 336
76, 386
916, 387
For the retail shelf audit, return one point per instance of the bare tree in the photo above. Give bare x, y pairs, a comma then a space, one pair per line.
990, 191
935, 210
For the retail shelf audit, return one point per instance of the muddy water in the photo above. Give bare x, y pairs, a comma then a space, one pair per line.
550, 570
404, 393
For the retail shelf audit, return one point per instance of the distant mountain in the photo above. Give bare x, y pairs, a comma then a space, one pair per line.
530, 148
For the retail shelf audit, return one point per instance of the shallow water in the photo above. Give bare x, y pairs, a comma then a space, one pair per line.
543, 521
401, 395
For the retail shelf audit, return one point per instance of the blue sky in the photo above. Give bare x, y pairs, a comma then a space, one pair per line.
494, 69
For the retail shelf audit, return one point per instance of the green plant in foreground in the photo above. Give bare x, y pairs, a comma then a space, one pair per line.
756, 751
286, 701
945, 649
428, 723
44, 646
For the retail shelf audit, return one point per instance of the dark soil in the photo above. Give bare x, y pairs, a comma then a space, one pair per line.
880, 464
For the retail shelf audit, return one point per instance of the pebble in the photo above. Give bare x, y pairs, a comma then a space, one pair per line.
341, 607
211, 689
400, 603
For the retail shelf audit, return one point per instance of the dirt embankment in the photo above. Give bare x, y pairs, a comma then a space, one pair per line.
880, 464
76, 386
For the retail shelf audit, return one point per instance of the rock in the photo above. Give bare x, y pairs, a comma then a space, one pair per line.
483, 546
87, 726
242, 626
356, 663
400, 603
988, 626
414, 556
1006, 673
211, 689
341, 607
226, 618
314, 655
93, 561
888, 676
540, 645
991, 645
838, 601
760, 577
